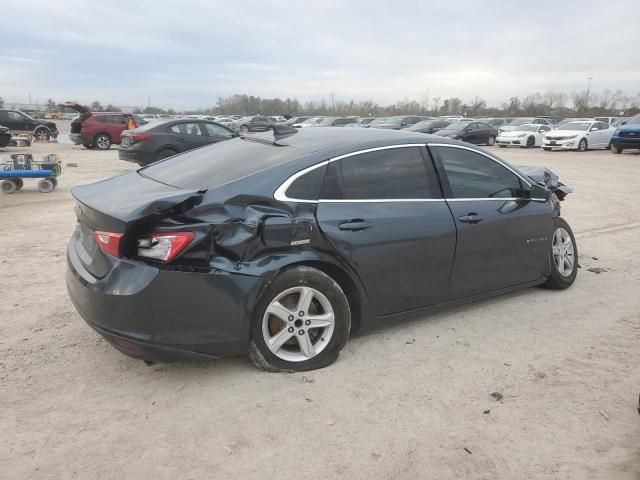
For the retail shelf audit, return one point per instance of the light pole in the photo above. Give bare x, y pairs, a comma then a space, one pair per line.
588, 90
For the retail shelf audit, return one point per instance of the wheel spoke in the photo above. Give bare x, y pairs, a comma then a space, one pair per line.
279, 339
556, 250
280, 311
306, 347
320, 321
304, 302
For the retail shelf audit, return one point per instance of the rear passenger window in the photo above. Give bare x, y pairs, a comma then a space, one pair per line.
398, 173
472, 175
307, 186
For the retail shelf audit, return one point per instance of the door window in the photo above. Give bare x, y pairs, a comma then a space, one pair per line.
472, 175
16, 117
397, 173
186, 129
217, 131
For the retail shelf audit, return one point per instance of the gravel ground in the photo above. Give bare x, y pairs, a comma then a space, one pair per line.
411, 400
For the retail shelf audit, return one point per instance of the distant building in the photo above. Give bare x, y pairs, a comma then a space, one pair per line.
26, 107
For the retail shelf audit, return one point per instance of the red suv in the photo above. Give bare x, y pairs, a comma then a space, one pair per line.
98, 129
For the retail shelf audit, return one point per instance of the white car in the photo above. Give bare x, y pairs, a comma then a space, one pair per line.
517, 122
579, 136
525, 136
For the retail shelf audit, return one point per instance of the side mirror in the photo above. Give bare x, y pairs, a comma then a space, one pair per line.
538, 193
593, 129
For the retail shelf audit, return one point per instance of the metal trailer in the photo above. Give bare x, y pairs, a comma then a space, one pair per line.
22, 166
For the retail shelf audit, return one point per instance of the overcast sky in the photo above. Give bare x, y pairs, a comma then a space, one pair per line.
187, 53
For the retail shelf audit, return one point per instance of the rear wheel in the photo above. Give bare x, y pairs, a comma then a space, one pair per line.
563, 257
46, 186
244, 130
301, 322
102, 141
42, 134
9, 186
546, 149
166, 153
491, 141
19, 182
582, 145
502, 146
616, 150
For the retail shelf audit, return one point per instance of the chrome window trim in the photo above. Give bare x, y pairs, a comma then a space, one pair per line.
280, 193
499, 162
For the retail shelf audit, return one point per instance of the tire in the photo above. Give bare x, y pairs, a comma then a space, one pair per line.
558, 280
616, 150
582, 145
19, 182
286, 294
531, 142
166, 153
243, 130
502, 146
546, 149
8, 186
102, 141
42, 134
88, 146
45, 186
491, 141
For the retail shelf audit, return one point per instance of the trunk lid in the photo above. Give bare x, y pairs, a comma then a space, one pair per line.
120, 205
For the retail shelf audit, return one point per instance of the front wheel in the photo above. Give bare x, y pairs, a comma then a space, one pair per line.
42, 134
9, 186
102, 141
546, 149
244, 130
563, 257
491, 141
616, 150
531, 142
582, 145
301, 322
46, 186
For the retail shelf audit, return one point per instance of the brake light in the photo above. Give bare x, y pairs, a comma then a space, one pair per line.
139, 137
109, 242
164, 246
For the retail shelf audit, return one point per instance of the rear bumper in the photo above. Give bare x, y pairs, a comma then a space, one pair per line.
161, 315
79, 139
136, 156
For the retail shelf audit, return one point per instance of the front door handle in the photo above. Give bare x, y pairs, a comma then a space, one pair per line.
471, 218
181, 140
354, 225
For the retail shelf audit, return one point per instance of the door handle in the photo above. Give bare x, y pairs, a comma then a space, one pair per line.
181, 140
354, 225
471, 218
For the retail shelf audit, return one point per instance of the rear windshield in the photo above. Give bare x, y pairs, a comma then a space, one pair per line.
219, 164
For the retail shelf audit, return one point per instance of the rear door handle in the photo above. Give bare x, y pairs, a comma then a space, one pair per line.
181, 140
470, 218
354, 225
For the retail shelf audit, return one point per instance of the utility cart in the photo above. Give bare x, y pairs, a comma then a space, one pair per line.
22, 165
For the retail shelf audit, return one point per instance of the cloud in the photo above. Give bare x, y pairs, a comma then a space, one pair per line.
187, 53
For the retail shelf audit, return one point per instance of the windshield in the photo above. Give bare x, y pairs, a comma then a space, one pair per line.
325, 121
575, 126
422, 124
312, 120
364, 121
394, 120
520, 121
528, 128
379, 121
459, 126
635, 120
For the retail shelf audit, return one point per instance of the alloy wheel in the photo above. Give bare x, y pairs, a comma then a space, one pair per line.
42, 135
298, 324
563, 252
491, 141
244, 130
103, 142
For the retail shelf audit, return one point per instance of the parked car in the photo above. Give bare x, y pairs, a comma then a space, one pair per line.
429, 126
525, 136
162, 139
282, 248
253, 123
377, 121
310, 122
397, 123
471, 132
19, 122
609, 120
567, 120
524, 121
335, 122
579, 136
496, 122
293, 121
99, 129
5, 136
626, 136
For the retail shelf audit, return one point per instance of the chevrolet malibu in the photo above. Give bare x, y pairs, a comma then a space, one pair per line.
279, 245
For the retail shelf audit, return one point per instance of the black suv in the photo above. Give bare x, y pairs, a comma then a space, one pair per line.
19, 122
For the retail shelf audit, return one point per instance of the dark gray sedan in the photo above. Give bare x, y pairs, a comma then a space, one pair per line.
157, 140
280, 245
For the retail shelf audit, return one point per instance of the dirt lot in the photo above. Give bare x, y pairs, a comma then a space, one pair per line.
408, 401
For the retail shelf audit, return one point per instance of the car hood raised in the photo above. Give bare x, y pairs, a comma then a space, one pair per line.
77, 107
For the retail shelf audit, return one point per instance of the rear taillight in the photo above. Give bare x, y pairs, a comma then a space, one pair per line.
109, 242
139, 137
164, 246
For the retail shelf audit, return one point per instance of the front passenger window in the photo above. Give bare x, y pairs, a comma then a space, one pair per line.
472, 175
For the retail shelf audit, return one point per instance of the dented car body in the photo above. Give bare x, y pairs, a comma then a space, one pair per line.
172, 261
